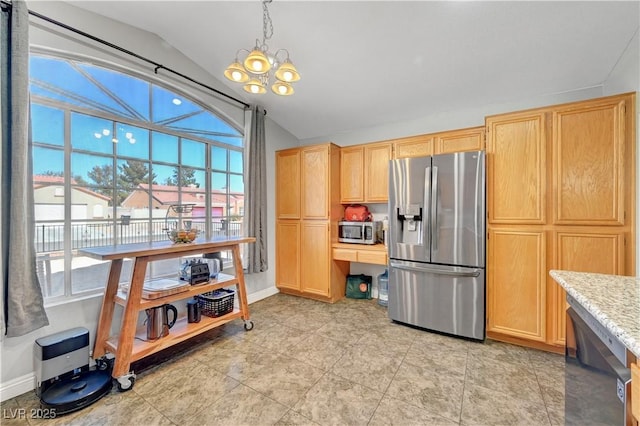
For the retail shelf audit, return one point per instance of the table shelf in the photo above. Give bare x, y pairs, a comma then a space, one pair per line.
223, 280
129, 343
181, 331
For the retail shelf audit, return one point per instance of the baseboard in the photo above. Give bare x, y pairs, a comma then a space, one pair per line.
262, 294
26, 383
17, 386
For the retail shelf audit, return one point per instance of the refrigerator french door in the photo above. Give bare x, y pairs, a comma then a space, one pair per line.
437, 222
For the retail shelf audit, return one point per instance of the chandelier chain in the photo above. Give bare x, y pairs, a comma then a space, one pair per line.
266, 22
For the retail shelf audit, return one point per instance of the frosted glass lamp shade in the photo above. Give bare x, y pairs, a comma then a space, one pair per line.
287, 72
282, 88
257, 62
255, 86
236, 72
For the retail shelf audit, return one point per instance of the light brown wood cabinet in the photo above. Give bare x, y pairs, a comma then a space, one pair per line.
413, 146
364, 173
471, 139
516, 169
560, 195
589, 171
516, 285
288, 184
304, 265
375, 254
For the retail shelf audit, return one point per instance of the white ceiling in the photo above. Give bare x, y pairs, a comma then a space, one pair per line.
366, 63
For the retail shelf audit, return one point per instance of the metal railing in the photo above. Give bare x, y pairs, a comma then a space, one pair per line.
49, 236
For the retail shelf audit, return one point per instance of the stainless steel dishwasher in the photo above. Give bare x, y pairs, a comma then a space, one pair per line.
597, 380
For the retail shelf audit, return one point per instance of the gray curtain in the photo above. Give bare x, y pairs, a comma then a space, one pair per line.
22, 303
256, 193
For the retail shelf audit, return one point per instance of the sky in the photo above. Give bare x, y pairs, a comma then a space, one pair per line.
96, 139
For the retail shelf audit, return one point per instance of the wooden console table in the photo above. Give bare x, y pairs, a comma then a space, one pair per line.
125, 346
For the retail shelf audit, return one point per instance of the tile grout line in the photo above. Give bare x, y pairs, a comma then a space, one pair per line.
384, 393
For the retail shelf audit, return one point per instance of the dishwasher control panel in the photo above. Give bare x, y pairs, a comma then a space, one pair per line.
612, 342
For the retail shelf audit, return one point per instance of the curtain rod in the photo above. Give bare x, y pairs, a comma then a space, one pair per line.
128, 52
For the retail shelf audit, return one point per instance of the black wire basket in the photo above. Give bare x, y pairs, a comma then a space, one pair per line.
216, 303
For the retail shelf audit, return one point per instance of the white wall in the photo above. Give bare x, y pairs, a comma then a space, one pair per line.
16, 364
450, 120
625, 77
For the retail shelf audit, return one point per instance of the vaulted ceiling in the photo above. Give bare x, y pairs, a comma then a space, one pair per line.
366, 63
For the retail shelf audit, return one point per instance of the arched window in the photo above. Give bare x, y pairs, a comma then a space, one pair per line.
112, 152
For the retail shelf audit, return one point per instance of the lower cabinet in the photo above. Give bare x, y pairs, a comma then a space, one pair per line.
288, 254
598, 250
525, 305
516, 284
315, 260
304, 266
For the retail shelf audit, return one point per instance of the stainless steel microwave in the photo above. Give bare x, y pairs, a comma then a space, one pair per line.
360, 232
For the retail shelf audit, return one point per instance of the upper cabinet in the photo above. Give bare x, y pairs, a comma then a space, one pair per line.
376, 168
588, 152
471, 139
315, 181
364, 173
413, 146
302, 179
516, 168
352, 174
288, 184
364, 169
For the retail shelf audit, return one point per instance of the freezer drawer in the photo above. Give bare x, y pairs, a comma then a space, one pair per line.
445, 299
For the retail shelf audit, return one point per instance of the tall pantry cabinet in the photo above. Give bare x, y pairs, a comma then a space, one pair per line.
561, 195
307, 213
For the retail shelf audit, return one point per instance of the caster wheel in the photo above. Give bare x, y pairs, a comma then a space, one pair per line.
104, 364
126, 383
248, 325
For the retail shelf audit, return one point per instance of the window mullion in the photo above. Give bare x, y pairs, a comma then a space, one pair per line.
68, 202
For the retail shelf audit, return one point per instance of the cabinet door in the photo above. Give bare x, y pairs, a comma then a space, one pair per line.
288, 184
588, 152
415, 146
377, 172
288, 254
594, 250
516, 284
315, 182
352, 174
460, 141
315, 260
516, 178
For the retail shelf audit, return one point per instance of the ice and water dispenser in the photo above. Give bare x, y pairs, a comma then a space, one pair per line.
410, 224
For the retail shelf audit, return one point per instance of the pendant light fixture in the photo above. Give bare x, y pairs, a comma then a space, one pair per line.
254, 71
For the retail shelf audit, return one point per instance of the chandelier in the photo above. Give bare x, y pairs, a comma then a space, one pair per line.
254, 70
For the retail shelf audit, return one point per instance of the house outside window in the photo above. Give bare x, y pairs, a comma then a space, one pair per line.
112, 152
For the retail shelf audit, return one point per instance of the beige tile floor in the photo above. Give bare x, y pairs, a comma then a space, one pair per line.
308, 362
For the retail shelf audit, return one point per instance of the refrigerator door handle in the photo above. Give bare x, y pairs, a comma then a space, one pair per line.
456, 271
426, 231
434, 209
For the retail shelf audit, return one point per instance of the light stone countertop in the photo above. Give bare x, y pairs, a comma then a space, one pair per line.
613, 300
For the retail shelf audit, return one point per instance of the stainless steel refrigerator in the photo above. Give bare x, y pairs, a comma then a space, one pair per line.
437, 222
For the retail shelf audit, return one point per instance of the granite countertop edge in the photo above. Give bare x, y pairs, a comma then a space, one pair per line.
600, 312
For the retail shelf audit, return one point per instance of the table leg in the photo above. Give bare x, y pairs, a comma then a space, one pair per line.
106, 312
242, 290
130, 318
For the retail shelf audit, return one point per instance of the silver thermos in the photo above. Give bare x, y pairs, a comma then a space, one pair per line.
158, 323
